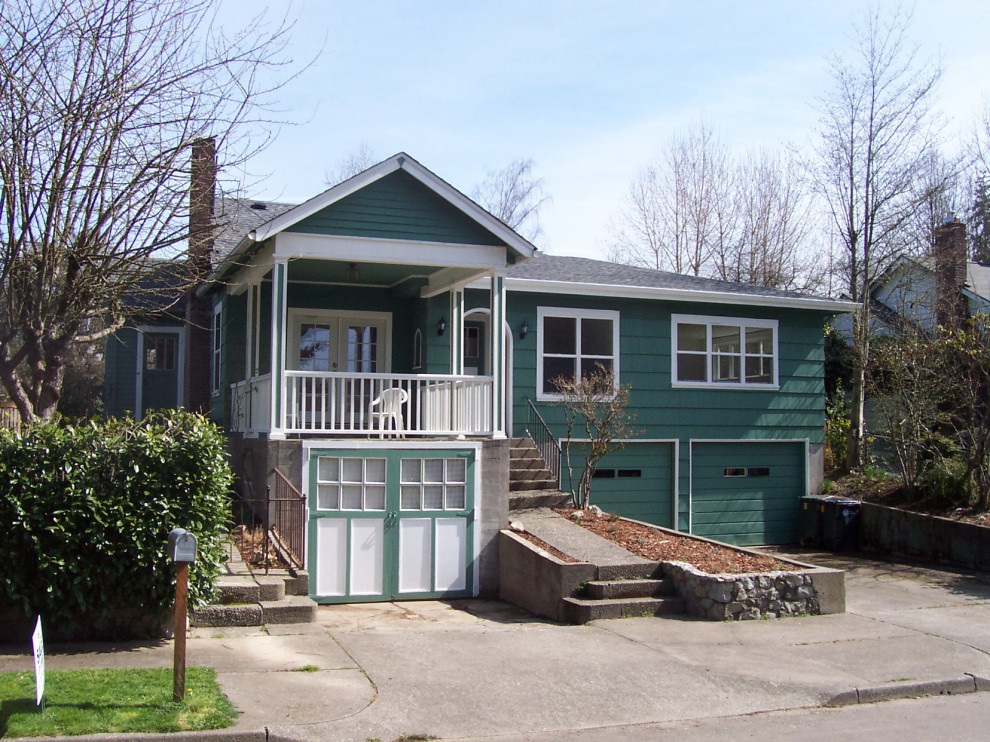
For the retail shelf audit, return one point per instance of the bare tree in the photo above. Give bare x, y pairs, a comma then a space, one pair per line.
102, 101
768, 242
514, 196
351, 164
599, 405
678, 207
877, 128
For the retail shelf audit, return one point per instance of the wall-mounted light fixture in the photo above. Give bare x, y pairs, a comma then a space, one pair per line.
353, 274
523, 330
441, 326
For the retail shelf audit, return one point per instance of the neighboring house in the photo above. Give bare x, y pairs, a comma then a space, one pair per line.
923, 293
378, 343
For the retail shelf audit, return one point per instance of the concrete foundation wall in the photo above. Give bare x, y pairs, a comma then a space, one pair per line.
894, 531
493, 514
535, 580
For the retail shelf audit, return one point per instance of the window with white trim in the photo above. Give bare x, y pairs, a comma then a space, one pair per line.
574, 344
723, 351
433, 484
217, 343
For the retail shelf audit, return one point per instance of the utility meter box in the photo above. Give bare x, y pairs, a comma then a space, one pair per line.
181, 545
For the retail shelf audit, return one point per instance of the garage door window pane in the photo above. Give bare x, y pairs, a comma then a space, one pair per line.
351, 499
409, 497
374, 497
328, 497
456, 470
456, 497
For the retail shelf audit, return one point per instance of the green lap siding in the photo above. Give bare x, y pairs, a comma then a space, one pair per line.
747, 510
648, 497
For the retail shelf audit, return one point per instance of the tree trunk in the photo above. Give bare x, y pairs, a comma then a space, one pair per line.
857, 426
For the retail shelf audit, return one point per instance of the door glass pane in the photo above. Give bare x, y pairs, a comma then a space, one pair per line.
433, 470
455, 497
328, 497
596, 337
409, 497
375, 470
329, 469
314, 347
560, 335
433, 497
411, 470
362, 349
374, 497
456, 470
351, 499
352, 470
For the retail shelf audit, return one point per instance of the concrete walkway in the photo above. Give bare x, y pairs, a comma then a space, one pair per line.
479, 669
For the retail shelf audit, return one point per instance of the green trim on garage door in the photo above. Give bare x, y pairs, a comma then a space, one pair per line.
390, 524
747, 493
636, 481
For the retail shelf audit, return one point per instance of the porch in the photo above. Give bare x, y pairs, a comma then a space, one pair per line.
365, 404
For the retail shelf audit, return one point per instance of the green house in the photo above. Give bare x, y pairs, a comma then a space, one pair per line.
377, 347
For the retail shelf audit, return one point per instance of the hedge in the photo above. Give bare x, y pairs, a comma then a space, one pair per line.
87, 512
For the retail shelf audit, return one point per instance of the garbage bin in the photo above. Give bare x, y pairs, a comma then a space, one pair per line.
839, 520
811, 522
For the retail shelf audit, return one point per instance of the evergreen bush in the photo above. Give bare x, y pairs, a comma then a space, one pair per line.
87, 511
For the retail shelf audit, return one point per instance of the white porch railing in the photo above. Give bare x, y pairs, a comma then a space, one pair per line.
342, 403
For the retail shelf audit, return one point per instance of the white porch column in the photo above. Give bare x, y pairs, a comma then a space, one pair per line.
498, 351
250, 334
457, 330
280, 287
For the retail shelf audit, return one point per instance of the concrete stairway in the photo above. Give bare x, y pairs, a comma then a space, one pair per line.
531, 484
249, 599
624, 584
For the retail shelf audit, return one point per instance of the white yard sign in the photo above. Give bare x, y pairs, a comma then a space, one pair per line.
38, 641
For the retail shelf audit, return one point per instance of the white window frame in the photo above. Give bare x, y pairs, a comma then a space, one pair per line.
216, 338
578, 315
740, 322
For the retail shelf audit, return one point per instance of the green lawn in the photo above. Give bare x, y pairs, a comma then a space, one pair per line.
130, 700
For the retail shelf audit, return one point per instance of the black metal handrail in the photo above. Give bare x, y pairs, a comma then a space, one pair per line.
286, 518
548, 446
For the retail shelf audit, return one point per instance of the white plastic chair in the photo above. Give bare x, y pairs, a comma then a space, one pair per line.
389, 404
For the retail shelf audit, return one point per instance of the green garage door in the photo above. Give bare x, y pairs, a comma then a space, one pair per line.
747, 493
636, 482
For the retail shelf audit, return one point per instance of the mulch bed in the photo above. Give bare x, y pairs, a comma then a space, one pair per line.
250, 541
660, 546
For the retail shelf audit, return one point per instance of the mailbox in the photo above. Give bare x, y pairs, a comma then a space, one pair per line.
181, 545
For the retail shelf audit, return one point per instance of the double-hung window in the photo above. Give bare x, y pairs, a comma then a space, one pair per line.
574, 344
723, 351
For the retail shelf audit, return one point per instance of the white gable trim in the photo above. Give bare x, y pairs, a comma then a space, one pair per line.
378, 250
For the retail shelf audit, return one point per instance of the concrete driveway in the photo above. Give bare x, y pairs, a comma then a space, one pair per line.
480, 669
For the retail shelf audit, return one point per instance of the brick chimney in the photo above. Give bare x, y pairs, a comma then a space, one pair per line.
950, 273
199, 310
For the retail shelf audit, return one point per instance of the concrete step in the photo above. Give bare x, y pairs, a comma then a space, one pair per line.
582, 610
641, 588
291, 609
539, 498
238, 589
526, 463
271, 587
632, 570
241, 614
543, 481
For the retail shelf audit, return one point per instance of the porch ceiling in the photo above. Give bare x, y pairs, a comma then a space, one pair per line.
407, 279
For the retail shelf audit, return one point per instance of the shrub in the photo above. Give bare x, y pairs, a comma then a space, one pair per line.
946, 480
88, 510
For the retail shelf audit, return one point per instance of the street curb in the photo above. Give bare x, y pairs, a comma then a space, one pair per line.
216, 735
969, 684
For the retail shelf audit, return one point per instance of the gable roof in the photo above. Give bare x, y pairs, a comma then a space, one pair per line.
282, 217
560, 274
236, 217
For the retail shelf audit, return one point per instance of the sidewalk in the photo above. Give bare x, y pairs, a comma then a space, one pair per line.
479, 668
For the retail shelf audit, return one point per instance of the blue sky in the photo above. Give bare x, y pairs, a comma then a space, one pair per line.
588, 90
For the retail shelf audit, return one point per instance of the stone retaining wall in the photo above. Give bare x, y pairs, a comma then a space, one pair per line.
740, 597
